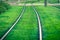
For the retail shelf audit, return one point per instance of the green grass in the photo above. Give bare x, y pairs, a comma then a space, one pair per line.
57, 7
50, 19
26, 28
3, 6
7, 18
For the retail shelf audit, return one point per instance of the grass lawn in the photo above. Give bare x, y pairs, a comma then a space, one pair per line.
7, 18
57, 7
50, 19
26, 28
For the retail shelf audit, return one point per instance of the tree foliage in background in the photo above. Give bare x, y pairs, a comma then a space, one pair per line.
53, 1
58, 1
3, 6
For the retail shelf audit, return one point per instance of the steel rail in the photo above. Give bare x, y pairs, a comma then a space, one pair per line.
39, 23
2, 38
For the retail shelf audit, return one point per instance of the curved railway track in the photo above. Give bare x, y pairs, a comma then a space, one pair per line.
38, 18
39, 23
2, 38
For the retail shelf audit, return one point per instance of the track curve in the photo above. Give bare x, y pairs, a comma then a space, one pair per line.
13, 24
39, 23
